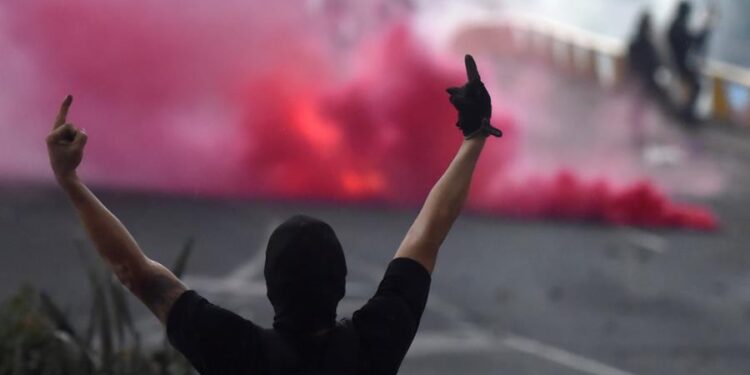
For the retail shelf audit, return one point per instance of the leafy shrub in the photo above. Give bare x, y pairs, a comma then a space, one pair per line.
38, 338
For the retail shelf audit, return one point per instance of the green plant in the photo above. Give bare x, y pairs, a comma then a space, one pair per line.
37, 337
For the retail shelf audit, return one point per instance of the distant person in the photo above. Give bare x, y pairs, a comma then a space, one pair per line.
305, 272
643, 64
687, 48
643, 58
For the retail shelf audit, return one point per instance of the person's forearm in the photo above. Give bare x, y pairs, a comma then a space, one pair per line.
447, 197
148, 280
111, 239
445, 201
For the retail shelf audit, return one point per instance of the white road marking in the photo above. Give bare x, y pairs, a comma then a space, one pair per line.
560, 356
640, 239
246, 281
240, 282
431, 343
470, 337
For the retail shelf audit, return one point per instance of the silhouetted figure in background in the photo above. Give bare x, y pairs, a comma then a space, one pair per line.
643, 63
687, 48
643, 59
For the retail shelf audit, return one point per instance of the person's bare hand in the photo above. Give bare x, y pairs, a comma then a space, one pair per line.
65, 145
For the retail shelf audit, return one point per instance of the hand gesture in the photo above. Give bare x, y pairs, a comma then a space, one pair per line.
473, 104
65, 145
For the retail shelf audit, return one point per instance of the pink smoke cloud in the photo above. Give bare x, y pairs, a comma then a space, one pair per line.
249, 99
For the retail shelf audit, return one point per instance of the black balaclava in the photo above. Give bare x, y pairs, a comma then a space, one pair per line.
305, 275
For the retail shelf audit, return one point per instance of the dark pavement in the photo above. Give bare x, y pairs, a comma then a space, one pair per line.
508, 296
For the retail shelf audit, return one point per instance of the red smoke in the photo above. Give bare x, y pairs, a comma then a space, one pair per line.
386, 134
568, 197
238, 99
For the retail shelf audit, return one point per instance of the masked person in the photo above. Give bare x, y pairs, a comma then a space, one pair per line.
305, 272
687, 49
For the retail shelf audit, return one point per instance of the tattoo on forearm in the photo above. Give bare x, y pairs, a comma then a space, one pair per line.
159, 292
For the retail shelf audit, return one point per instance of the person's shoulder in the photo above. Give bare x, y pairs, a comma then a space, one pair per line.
408, 265
191, 312
213, 339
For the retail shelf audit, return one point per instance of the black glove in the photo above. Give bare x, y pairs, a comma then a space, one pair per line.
473, 104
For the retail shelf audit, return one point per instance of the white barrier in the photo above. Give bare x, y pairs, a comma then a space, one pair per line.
600, 57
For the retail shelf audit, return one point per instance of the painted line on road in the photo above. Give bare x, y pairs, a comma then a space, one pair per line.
560, 356
240, 281
471, 337
640, 239
467, 337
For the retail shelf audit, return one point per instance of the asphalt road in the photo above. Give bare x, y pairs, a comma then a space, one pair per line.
508, 296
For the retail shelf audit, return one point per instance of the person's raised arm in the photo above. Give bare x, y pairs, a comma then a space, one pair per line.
151, 282
447, 197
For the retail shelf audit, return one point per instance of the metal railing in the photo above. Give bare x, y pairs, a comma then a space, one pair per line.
602, 58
